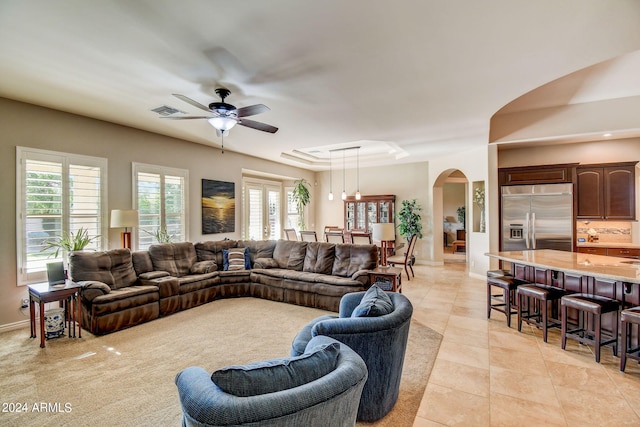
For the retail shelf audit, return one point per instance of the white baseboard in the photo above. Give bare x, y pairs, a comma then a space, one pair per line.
16, 325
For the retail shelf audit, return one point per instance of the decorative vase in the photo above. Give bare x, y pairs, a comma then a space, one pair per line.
482, 224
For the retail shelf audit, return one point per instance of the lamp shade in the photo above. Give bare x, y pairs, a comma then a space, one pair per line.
384, 231
222, 123
123, 218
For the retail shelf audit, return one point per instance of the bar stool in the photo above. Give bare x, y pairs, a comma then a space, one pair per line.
597, 306
505, 301
628, 317
537, 313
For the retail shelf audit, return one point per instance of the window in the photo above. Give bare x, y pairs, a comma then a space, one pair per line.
262, 207
160, 196
57, 193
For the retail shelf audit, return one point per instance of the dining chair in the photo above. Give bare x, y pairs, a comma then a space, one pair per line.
361, 238
291, 234
406, 258
308, 236
334, 237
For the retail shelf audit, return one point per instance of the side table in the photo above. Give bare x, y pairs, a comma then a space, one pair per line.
42, 293
387, 278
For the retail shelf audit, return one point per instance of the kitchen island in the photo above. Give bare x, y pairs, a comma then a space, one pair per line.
608, 276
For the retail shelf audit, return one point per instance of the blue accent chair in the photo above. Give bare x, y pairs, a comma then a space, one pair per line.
331, 400
380, 341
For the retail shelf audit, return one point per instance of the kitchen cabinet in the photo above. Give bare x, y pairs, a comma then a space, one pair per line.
360, 214
613, 251
543, 174
606, 192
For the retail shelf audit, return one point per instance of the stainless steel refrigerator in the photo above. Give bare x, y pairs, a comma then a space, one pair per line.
537, 217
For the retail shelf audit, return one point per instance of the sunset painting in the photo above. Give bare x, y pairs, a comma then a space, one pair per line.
218, 207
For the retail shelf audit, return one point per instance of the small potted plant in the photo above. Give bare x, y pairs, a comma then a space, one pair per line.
69, 242
161, 235
409, 219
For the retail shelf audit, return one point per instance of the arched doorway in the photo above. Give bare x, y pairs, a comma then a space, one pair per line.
451, 205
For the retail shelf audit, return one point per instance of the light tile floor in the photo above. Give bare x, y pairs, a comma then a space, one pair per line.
486, 374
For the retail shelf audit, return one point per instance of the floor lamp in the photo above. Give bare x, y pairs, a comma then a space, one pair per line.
124, 218
385, 233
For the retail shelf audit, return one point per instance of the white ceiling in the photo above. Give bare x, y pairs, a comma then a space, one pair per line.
407, 80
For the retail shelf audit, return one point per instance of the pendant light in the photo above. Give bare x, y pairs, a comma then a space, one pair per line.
358, 196
330, 175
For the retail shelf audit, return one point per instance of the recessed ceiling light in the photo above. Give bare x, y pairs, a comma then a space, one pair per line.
606, 135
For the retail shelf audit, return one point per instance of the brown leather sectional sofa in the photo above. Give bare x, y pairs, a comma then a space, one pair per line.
122, 289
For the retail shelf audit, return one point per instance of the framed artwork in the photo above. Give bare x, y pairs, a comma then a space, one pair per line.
218, 207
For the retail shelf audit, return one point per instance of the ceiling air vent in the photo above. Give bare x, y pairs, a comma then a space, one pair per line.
165, 110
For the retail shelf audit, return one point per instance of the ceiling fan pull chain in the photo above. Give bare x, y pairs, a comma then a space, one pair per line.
222, 136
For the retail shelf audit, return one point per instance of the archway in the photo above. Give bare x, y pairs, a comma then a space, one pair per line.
450, 204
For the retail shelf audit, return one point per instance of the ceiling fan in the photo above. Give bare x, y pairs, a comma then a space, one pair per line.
225, 116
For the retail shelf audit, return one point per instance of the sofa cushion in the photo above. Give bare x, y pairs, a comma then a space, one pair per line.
274, 375
114, 267
375, 302
289, 254
319, 257
202, 267
236, 259
258, 248
175, 258
212, 250
350, 259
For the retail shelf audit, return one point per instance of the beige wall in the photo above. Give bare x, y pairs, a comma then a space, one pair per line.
30, 126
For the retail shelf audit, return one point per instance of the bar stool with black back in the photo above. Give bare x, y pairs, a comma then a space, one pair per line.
628, 318
505, 301
593, 304
533, 306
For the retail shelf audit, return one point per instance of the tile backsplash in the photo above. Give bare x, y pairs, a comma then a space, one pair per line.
607, 232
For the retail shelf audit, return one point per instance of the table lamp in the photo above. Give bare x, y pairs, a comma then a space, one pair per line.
385, 233
124, 218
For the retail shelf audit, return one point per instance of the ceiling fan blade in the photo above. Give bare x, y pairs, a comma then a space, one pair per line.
192, 102
257, 125
252, 110
187, 117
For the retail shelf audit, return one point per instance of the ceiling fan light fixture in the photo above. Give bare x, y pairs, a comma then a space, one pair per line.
222, 124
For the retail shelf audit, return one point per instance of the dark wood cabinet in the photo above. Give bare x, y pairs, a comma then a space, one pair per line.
606, 192
544, 174
360, 214
616, 252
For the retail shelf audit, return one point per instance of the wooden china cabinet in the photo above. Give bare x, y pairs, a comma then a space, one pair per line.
361, 214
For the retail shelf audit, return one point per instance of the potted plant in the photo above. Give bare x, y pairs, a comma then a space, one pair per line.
301, 197
409, 219
462, 214
161, 235
69, 242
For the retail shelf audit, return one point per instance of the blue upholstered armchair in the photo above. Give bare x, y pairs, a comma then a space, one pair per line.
245, 395
381, 341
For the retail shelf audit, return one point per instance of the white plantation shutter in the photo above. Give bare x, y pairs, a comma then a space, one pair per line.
57, 193
262, 209
161, 201
254, 204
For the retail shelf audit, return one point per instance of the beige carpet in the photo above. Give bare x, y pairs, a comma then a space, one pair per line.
127, 378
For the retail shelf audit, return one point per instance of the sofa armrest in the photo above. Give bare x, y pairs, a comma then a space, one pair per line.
167, 285
361, 276
92, 289
153, 275
265, 263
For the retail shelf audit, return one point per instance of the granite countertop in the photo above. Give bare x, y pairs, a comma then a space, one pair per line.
599, 266
608, 245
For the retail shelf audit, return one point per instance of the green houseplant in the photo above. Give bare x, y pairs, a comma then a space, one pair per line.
161, 235
462, 214
69, 242
301, 197
409, 219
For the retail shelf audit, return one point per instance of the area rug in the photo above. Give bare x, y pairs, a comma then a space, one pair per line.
127, 378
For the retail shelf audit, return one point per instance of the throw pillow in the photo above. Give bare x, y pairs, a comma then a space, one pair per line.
374, 303
274, 375
235, 259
